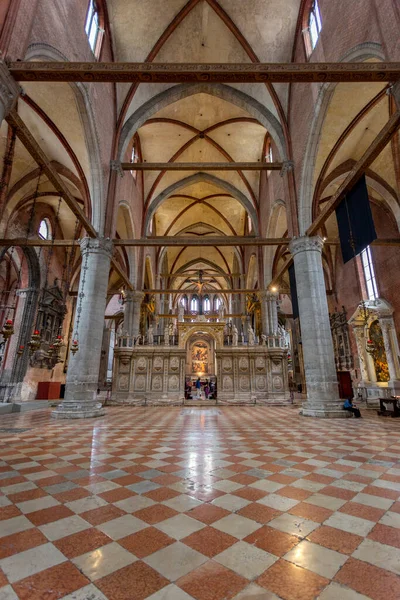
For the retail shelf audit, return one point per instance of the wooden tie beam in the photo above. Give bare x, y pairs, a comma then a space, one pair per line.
203, 73
171, 241
217, 291
372, 152
203, 166
30, 143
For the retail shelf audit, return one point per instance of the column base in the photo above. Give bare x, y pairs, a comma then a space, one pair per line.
78, 410
328, 410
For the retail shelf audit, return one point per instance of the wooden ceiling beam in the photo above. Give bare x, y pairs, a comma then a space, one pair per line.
176, 241
203, 166
214, 291
214, 72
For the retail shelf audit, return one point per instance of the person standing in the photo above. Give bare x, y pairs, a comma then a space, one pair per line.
198, 388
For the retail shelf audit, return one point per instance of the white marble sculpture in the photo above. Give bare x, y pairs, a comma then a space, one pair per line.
235, 336
252, 337
150, 335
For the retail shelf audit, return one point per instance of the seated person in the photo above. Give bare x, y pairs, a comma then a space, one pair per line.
348, 405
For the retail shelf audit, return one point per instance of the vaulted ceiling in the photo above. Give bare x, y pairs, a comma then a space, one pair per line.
201, 127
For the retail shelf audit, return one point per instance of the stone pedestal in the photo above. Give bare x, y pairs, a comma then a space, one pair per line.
83, 369
319, 360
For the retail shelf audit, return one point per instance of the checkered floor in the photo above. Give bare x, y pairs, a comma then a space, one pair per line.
206, 504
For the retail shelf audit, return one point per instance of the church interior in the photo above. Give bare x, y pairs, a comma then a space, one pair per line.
190, 328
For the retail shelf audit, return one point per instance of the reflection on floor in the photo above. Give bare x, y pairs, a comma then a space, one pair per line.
212, 504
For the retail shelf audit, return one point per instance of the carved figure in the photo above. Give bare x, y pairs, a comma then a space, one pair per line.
166, 336
235, 336
252, 337
263, 340
181, 312
150, 336
221, 312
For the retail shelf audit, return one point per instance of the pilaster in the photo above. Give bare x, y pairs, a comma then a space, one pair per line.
391, 349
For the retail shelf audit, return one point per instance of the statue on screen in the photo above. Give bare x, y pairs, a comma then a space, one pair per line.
235, 336
252, 337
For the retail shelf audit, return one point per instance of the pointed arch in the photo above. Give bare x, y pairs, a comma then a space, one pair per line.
218, 90
202, 177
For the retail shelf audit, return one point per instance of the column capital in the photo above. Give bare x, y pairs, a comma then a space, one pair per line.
305, 243
137, 296
287, 167
267, 295
394, 90
96, 245
9, 88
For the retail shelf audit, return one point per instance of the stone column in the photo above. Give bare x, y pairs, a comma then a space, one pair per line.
83, 369
9, 91
128, 312
319, 361
137, 299
391, 349
395, 90
269, 312
359, 333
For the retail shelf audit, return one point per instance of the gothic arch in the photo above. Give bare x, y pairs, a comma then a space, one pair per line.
359, 53
41, 51
225, 92
203, 177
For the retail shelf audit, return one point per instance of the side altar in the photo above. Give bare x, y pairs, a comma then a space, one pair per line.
154, 370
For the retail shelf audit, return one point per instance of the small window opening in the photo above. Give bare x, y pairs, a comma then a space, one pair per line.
369, 274
44, 229
92, 27
314, 23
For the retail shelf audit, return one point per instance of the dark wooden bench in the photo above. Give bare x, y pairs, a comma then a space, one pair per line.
384, 411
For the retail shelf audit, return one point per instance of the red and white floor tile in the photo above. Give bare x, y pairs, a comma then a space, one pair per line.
238, 503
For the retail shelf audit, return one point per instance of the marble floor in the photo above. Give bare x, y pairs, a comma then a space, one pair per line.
207, 504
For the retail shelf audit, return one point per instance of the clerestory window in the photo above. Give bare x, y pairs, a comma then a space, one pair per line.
369, 274
92, 25
314, 23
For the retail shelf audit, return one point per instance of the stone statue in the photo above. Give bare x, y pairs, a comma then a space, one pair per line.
252, 337
181, 312
235, 336
166, 336
221, 312
171, 329
263, 340
150, 335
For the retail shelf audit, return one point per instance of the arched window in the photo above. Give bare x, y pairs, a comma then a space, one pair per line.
269, 157
92, 27
217, 302
134, 159
206, 304
314, 23
44, 230
194, 304
184, 302
369, 274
